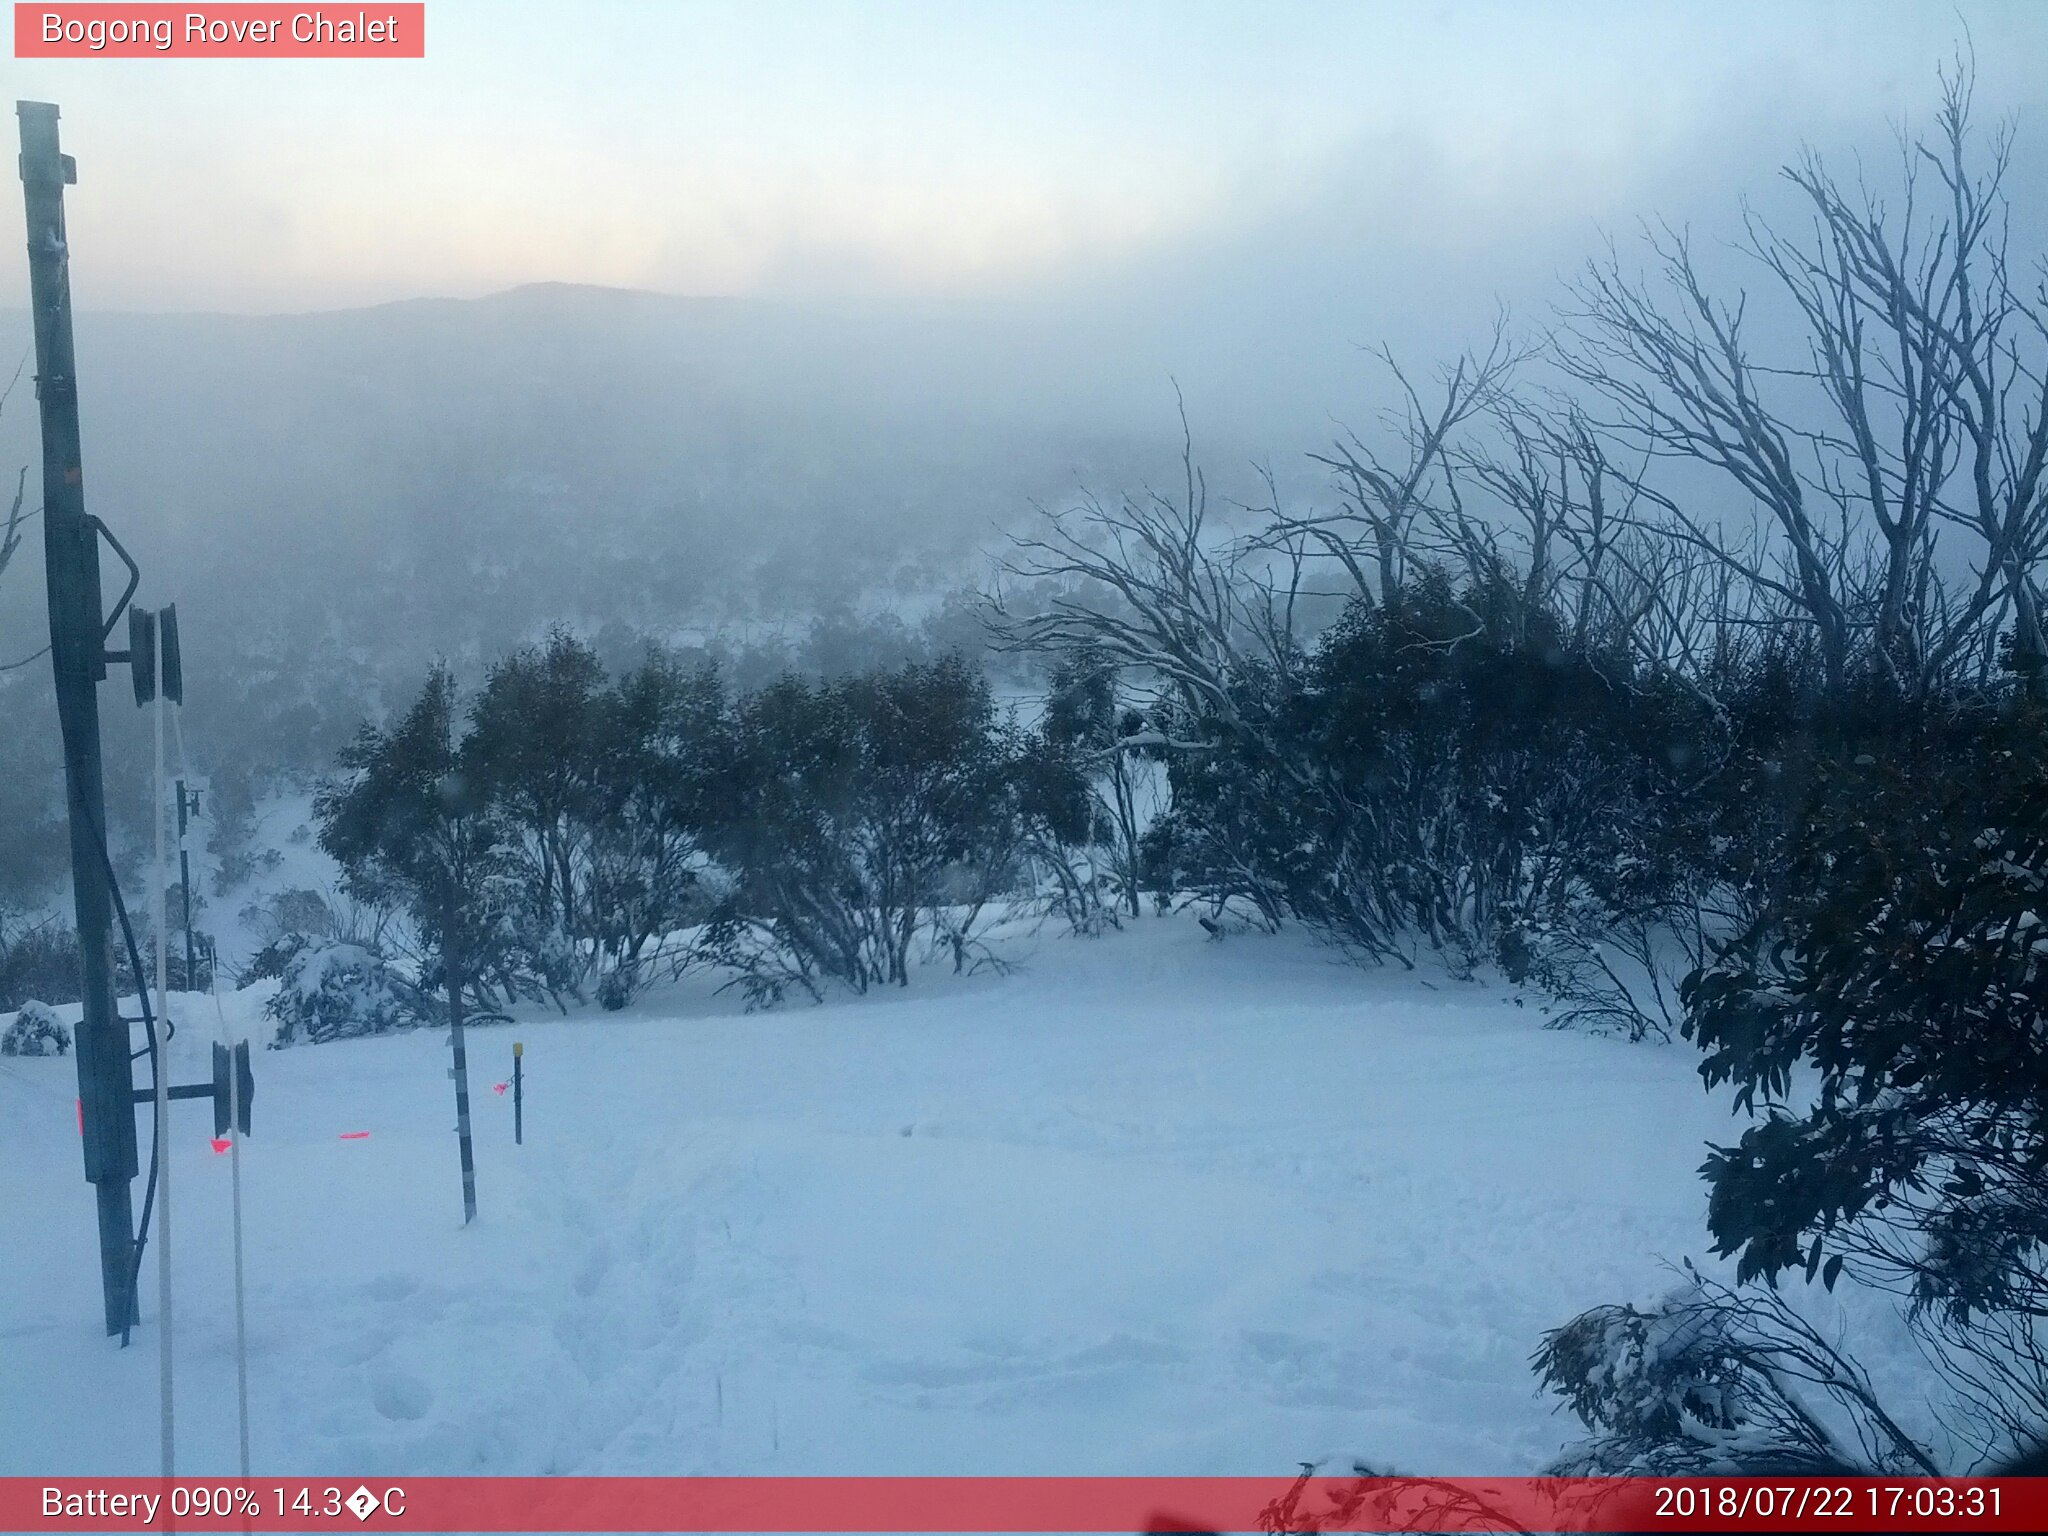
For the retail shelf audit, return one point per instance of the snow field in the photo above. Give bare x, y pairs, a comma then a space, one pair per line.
1153, 1204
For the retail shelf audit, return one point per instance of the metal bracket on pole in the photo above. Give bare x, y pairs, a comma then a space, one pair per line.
233, 1086
35, 172
127, 592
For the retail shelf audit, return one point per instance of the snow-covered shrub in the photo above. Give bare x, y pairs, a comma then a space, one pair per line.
1716, 1381
268, 963
296, 910
35, 1032
332, 990
287, 921
38, 959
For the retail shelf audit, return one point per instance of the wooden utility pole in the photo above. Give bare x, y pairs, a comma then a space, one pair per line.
106, 1079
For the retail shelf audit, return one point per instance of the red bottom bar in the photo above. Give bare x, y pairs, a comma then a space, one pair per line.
1056, 1504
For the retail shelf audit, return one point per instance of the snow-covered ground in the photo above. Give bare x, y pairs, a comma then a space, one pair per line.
1152, 1204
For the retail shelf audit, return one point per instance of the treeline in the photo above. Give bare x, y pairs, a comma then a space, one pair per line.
569, 834
260, 725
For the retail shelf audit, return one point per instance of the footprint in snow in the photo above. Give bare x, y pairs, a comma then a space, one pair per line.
400, 1395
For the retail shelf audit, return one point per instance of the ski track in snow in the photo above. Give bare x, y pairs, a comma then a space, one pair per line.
1151, 1205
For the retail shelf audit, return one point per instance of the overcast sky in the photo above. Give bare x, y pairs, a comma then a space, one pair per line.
964, 147
1236, 195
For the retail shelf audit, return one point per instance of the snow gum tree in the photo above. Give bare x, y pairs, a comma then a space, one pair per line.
536, 742
410, 820
855, 809
1089, 721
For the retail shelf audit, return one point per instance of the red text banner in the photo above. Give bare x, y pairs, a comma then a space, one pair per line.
1054, 1504
238, 31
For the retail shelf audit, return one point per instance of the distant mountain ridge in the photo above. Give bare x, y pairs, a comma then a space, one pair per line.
337, 497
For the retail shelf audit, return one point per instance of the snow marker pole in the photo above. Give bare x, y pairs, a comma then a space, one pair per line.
185, 870
235, 1121
518, 1097
460, 1071
235, 1180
